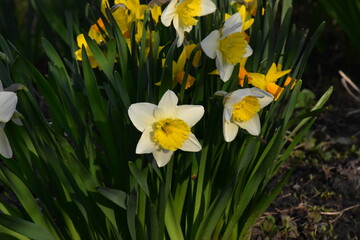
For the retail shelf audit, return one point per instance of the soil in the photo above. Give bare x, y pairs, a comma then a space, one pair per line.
322, 197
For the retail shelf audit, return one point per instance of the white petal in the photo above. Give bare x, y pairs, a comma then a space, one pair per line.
142, 115
248, 52
266, 98
168, 13
162, 156
225, 69
191, 144
230, 130
191, 114
232, 25
207, 7
167, 106
227, 112
5, 149
211, 43
8, 102
146, 144
253, 126
239, 94
179, 27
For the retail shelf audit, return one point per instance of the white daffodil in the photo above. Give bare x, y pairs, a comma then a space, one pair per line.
227, 46
241, 109
8, 102
183, 12
165, 127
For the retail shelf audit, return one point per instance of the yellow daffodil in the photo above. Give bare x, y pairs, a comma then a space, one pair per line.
227, 45
183, 13
134, 6
94, 33
178, 70
241, 109
8, 101
189, 49
250, 5
245, 16
155, 13
288, 81
165, 127
265, 82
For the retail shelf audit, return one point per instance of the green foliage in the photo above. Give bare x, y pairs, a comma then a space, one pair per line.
347, 15
75, 173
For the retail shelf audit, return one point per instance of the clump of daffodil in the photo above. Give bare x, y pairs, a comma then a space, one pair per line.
227, 46
183, 13
265, 82
94, 33
165, 127
241, 109
250, 5
178, 67
8, 101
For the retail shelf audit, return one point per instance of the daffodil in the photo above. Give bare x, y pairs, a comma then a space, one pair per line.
250, 5
241, 109
178, 70
8, 102
265, 82
183, 13
94, 33
134, 6
227, 46
178, 67
165, 127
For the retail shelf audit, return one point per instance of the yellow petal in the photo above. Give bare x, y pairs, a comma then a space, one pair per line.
180, 77
272, 75
155, 13
257, 80
241, 76
274, 89
288, 81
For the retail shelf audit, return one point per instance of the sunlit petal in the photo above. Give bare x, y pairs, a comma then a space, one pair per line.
225, 68
142, 115
162, 156
191, 114
230, 130
146, 144
191, 144
8, 102
253, 126
207, 7
169, 13
211, 44
266, 98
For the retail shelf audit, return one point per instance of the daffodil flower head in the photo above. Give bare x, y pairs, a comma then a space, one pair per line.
165, 127
241, 109
8, 101
227, 46
183, 13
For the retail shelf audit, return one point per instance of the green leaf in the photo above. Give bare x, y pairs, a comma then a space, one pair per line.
172, 224
214, 213
92, 88
140, 176
25, 197
25, 228
118, 197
